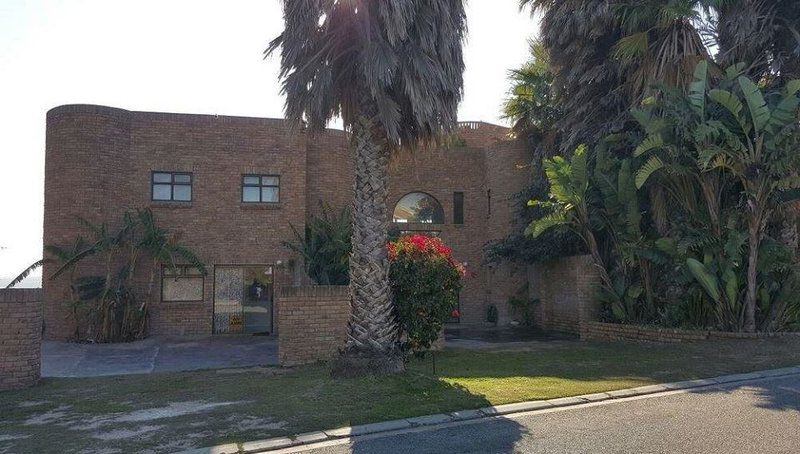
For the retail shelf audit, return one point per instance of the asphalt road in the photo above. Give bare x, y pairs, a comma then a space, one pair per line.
752, 417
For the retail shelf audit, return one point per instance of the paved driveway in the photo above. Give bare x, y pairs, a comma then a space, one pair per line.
750, 417
157, 354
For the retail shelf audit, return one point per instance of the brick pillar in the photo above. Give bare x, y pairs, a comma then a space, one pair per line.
20, 337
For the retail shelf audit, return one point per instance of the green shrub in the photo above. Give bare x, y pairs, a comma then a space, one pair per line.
325, 246
425, 281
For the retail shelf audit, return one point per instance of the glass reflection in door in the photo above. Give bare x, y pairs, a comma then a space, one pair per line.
243, 299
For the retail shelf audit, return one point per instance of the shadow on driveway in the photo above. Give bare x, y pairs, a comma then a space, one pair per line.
157, 354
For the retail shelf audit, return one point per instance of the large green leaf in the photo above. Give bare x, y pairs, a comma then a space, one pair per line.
759, 112
579, 167
697, 89
539, 226
632, 46
650, 143
785, 112
792, 87
729, 101
708, 281
652, 165
731, 286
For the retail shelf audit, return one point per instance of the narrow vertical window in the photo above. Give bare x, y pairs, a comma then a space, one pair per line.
458, 208
489, 201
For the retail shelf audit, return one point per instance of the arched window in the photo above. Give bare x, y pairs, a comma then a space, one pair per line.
420, 208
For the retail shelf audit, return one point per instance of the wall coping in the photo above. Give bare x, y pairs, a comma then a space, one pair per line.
313, 291
20, 295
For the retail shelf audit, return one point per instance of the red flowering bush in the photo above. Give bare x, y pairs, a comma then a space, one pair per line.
425, 281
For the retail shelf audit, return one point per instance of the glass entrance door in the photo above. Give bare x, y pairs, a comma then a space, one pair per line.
243, 299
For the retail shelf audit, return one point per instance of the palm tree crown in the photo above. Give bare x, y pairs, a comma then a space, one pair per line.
401, 59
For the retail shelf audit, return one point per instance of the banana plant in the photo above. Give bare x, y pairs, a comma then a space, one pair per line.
109, 302
736, 132
569, 206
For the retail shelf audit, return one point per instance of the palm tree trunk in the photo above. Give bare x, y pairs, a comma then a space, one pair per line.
372, 340
755, 228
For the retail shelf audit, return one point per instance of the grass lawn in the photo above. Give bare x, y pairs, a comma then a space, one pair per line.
169, 412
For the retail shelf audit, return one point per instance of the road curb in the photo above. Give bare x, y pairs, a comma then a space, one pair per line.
272, 444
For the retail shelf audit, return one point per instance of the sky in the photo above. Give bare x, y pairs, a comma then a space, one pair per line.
189, 56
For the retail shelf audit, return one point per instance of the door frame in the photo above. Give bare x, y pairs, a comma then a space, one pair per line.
214, 293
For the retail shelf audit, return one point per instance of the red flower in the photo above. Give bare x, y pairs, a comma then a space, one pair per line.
455, 313
421, 245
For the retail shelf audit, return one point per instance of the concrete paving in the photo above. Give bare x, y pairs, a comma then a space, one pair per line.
755, 416
157, 354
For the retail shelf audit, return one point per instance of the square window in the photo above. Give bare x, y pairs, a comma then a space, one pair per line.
171, 186
260, 188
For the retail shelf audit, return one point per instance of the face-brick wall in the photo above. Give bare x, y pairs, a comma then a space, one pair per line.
99, 162
20, 337
507, 174
313, 323
566, 290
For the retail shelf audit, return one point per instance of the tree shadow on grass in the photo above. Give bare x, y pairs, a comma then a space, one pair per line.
438, 396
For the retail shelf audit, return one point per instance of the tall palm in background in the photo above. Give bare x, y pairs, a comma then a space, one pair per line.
393, 72
606, 54
531, 105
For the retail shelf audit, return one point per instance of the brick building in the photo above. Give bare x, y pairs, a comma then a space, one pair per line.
232, 187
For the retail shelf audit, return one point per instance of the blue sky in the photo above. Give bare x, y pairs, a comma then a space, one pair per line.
176, 56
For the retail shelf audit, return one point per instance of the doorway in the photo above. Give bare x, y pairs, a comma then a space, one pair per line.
243, 299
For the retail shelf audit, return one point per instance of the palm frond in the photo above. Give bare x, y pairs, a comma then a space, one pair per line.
653, 165
27, 272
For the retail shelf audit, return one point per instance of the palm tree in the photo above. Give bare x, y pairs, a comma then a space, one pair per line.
765, 34
662, 43
393, 72
531, 105
579, 36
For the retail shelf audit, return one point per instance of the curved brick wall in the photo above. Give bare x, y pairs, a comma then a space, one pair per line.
87, 152
20, 337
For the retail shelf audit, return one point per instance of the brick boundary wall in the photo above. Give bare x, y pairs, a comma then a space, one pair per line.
566, 290
599, 331
20, 337
312, 322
